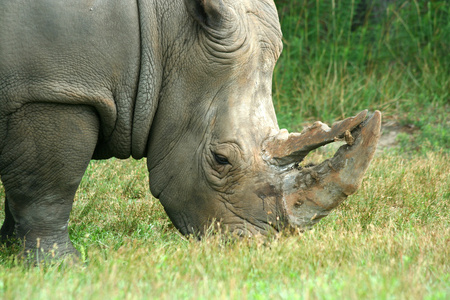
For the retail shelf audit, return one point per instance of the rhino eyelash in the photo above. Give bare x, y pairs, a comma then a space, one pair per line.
220, 159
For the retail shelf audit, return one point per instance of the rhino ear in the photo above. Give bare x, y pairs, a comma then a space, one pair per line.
208, 13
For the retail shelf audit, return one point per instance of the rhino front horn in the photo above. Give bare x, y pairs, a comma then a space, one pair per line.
309, 194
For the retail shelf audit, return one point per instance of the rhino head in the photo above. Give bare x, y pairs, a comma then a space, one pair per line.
216, 151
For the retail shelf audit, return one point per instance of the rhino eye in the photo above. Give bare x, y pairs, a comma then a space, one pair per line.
220, 159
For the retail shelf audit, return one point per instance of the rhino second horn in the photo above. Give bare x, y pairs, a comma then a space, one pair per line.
285, 149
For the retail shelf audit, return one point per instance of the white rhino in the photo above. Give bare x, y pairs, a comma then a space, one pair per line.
186, 84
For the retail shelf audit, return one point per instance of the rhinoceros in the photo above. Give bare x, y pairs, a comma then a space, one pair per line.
184, 83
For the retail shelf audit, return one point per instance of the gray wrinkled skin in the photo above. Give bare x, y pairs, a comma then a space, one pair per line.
186, 84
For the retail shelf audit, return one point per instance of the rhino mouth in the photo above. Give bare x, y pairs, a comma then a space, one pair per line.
247, 227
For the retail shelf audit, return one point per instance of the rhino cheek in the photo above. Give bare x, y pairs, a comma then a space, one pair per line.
250, 208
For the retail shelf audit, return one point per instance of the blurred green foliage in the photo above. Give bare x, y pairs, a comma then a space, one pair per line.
343, 56
392, 61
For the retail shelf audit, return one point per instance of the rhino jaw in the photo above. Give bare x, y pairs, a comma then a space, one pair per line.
309, 194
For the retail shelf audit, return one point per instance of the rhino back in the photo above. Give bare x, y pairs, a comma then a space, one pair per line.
72, 52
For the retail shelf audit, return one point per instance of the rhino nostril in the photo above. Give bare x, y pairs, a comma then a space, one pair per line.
298, 203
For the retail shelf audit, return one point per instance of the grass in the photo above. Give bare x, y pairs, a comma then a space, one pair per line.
390, 240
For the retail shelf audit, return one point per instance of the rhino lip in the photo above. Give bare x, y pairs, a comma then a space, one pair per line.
318, 217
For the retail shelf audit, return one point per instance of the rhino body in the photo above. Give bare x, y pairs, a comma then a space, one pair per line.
186, 84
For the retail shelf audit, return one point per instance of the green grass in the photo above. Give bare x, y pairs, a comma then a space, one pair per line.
388, 241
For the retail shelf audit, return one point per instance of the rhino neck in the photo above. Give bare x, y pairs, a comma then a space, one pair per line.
157, 35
